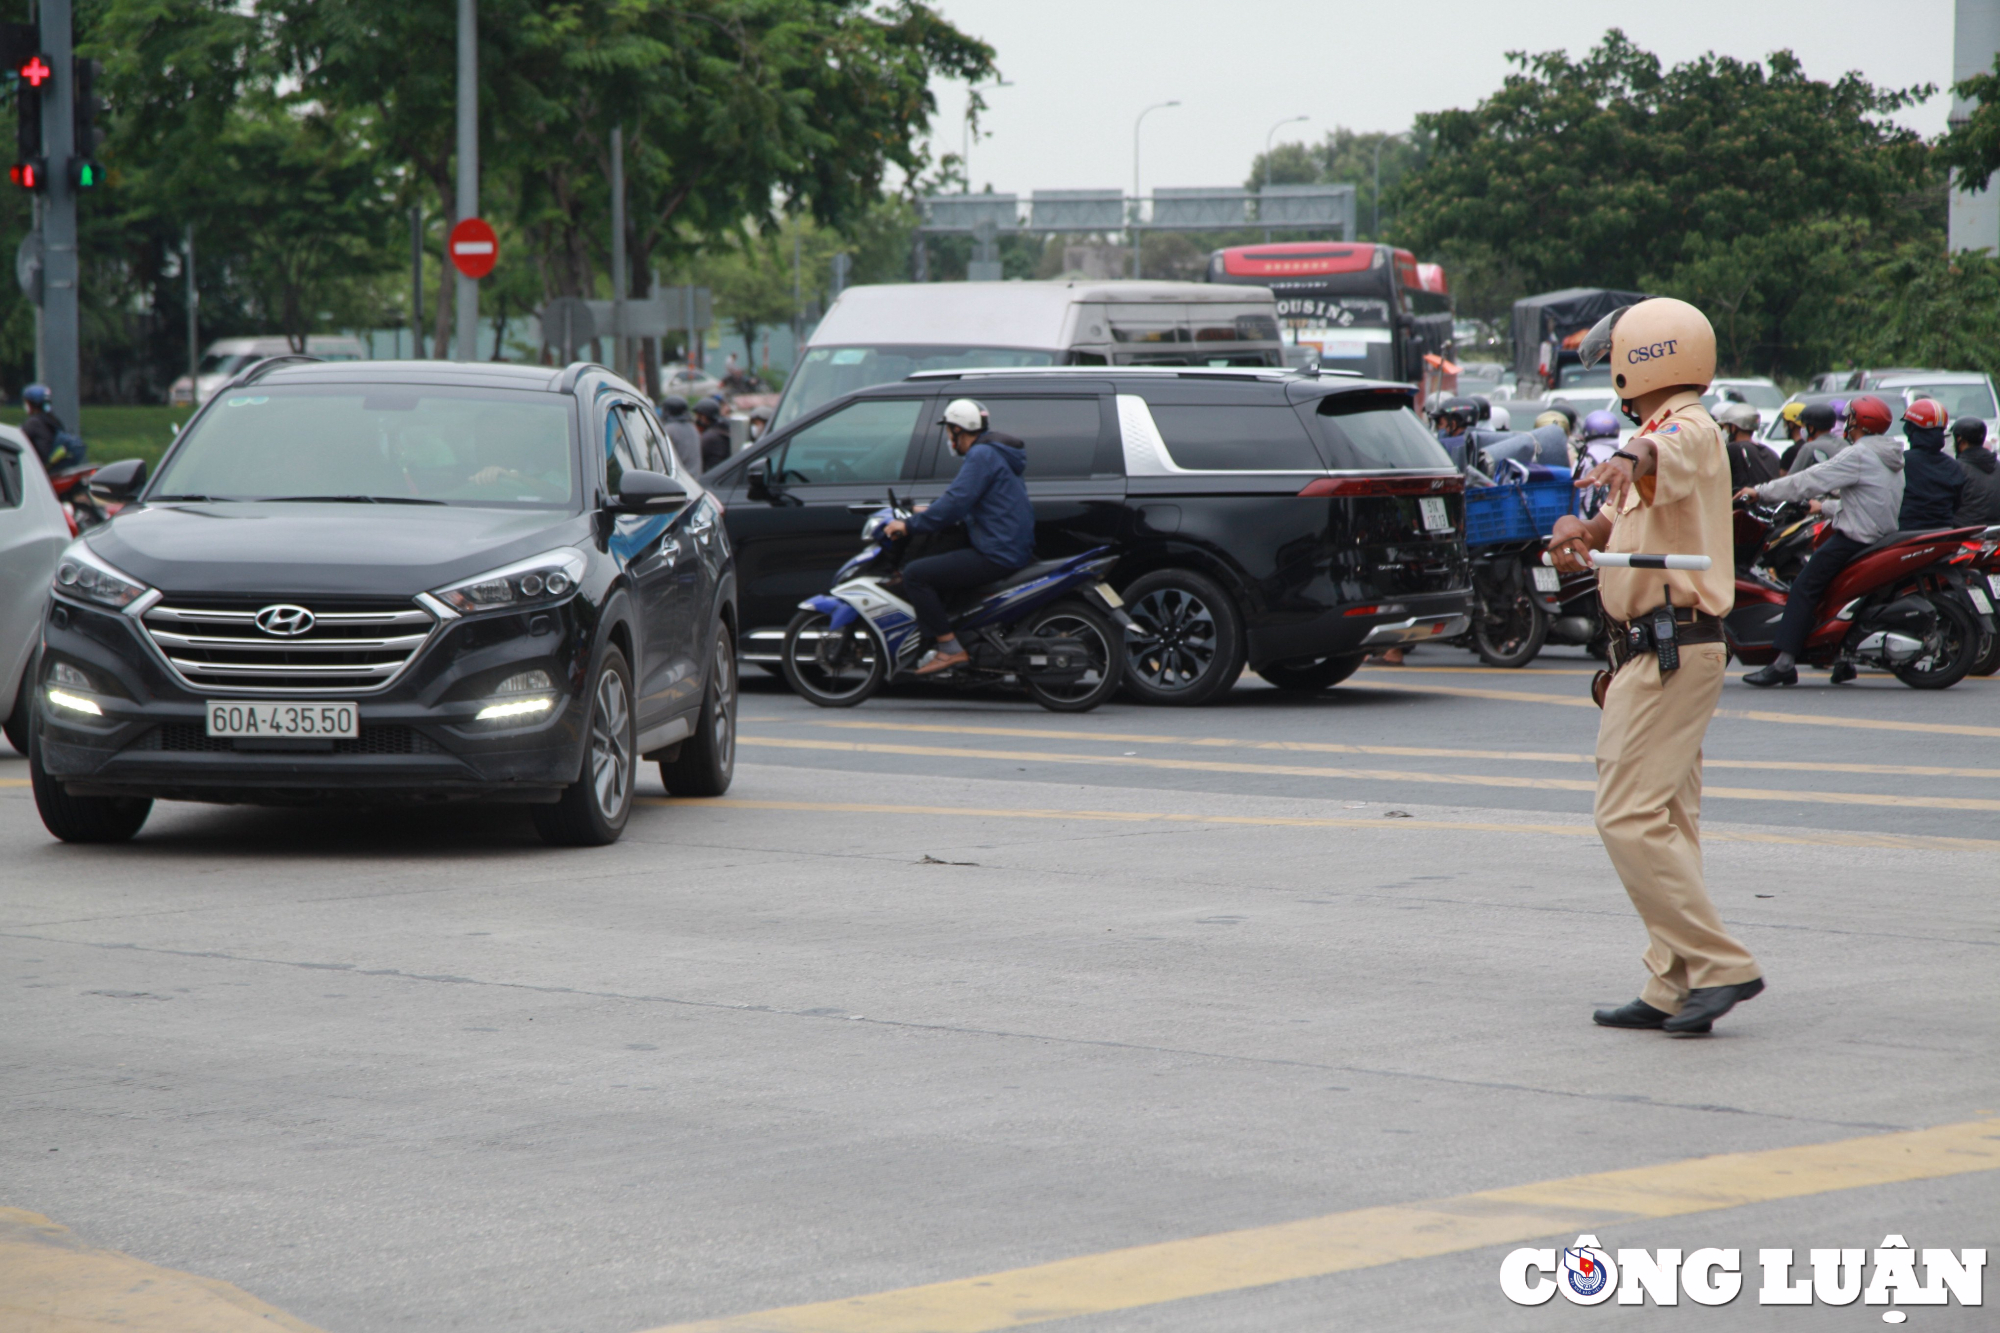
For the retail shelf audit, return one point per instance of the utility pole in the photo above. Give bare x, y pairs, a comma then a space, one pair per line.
416, 282
1288, 120
60, 321
194, 318
468, 168
1136, 123
618, 274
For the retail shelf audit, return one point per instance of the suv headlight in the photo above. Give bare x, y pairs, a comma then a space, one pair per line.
526, 585
82, 575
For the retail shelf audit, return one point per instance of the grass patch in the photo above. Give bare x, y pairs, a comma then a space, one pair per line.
112, 433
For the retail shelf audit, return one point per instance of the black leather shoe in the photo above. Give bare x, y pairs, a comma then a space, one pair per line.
1707, 1003
1770, 675
1637, 1014
1842, 673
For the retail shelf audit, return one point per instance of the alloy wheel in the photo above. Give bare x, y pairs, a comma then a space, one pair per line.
611, 746
1177, 644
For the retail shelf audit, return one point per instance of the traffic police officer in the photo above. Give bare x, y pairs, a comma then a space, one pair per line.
1668, 492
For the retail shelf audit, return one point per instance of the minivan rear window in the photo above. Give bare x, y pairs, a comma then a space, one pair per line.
1365, 432
1237, 438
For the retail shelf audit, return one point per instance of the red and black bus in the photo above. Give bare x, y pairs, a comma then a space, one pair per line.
1360, 306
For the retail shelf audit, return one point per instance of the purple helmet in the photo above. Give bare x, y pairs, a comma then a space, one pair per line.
1839, 406
1600, 425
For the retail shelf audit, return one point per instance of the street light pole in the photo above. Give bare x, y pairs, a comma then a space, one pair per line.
468, 168
1288, 120
1135, 178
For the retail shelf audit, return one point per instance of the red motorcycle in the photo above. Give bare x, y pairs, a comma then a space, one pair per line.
1981, 564
1892, 607
81, 506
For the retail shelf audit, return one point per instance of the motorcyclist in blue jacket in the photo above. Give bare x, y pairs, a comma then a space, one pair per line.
990, 498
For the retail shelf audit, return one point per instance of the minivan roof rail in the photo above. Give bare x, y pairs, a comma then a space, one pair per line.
571, 373
256, 370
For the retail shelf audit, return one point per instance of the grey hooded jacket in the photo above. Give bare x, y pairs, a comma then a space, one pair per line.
1866, 480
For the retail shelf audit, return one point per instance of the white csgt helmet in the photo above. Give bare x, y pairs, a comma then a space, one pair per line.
965, 414
1659, 343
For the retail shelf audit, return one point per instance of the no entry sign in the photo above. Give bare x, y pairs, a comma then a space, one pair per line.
474, 247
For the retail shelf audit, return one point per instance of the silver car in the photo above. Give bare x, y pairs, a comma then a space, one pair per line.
33, 533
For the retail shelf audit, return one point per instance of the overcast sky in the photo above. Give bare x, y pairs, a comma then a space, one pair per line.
1082, 69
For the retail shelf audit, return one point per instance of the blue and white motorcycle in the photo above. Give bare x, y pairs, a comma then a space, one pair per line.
1053, 628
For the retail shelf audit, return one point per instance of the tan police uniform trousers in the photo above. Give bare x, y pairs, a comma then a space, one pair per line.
1649, 812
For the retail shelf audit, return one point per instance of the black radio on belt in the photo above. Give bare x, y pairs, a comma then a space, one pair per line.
1663, 638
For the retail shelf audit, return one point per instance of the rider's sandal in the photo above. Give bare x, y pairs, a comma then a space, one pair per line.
940, 662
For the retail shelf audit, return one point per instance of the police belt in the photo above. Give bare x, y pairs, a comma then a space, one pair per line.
1628, 639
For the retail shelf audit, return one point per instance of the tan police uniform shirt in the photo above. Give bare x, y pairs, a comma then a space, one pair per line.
1689, 514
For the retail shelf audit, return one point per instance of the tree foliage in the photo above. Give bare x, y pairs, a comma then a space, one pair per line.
1972, 145
294, 135
1347, 157
1753, 190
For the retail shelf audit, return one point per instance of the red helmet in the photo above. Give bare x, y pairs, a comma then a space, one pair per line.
1927, 412
1871, 414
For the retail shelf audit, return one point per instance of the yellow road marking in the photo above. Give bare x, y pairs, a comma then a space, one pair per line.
1742, 714
1370, 1237
51, 1282
1407, 751
1902, 842
1366, 774
16, 782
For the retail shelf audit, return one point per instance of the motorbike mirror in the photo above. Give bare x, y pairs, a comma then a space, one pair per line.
648, 493
894, 503
119, 481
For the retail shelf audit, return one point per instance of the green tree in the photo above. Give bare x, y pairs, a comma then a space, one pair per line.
1972, 146
1750, 189
1347, 157
1923, 307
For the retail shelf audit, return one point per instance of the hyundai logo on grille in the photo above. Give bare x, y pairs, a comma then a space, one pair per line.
284, 621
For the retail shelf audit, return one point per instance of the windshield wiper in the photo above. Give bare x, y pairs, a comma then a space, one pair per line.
194, 499
352, 499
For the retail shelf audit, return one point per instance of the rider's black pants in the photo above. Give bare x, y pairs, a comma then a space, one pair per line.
1802, 598
925, 582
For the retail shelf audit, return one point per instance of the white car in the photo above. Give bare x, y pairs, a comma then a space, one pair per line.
33, 533
1962, 393
226, 356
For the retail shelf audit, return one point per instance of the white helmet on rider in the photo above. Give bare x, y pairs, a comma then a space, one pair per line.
966, 414
1738, 414
1501, 419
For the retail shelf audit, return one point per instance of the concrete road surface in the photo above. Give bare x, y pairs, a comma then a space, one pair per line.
1267, 1016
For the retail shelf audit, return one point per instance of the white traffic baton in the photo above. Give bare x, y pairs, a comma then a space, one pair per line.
1636, 560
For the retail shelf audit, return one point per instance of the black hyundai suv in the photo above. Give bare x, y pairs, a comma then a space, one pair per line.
1286, 519
384, 581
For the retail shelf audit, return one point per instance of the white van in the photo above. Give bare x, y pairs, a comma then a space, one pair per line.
877, 334
226, 356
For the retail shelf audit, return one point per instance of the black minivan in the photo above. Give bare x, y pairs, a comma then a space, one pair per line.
1284, 519
378, 581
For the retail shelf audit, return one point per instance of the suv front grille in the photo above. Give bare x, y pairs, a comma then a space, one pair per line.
344, 651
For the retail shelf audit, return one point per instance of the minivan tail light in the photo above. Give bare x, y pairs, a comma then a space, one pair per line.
1378, 486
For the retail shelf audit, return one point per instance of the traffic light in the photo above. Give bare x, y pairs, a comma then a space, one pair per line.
31, 76
84, 171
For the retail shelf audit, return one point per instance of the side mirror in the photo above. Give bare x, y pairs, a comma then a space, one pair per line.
119, 481
648, 493
757, 480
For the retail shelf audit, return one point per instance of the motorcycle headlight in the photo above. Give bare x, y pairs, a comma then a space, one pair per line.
82, 575
526, 585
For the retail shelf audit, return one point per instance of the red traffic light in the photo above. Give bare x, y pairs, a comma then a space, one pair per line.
30, 175
36, 72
